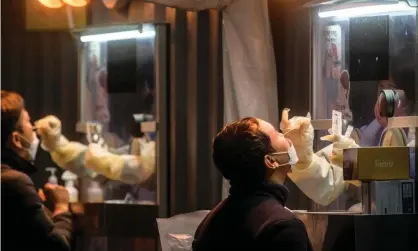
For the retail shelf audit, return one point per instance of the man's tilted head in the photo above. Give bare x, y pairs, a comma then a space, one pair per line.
12, 106
242, 150
16, 129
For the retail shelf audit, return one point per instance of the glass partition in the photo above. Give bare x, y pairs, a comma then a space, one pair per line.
118, 92
358, 51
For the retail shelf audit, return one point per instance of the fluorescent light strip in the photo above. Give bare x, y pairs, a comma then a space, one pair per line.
117, 36
379, 9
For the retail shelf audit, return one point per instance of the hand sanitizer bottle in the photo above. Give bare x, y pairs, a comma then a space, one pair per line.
94, 193
52, 178
69, 178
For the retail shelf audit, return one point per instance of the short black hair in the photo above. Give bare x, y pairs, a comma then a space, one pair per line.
239, 150
12, 105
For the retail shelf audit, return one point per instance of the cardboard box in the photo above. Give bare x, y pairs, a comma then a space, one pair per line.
389, 197
377, 163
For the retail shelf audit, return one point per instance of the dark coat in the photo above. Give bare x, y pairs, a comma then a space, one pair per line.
252, 220
24, 223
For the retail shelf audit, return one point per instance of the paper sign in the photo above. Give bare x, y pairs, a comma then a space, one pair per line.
349, 131
337, 123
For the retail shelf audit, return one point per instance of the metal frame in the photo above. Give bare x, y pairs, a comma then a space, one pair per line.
161, 83
162, 115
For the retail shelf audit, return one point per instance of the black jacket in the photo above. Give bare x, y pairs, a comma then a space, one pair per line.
252, 220
24, 224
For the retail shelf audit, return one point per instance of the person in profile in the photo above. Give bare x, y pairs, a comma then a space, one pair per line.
342, 103
255, 158
25, 225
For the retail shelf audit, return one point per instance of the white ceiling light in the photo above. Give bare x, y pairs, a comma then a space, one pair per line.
53, 4
76, 3
365, 10
117, 36
116, 4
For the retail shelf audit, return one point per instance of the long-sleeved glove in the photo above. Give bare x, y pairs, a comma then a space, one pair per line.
89, 160
318, 175
66, 154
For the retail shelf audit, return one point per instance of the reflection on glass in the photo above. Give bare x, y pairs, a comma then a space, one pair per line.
119, 83
356, 57
358, 100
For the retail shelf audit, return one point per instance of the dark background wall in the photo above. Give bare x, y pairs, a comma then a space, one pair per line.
42, 66
291, 31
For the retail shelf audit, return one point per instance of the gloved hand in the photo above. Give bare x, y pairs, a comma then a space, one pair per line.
88, 161
314, 174
340, 142
63, 151
131, 169
49, 128
300, 131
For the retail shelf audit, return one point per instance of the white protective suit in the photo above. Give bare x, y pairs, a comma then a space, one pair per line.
94, 159
319, 175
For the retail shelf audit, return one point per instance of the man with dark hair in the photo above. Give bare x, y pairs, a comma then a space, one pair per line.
256, 159
25, 225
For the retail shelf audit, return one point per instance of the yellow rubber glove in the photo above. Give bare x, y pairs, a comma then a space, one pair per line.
61, 149
90, 160
314, 174
131, 169
339, 143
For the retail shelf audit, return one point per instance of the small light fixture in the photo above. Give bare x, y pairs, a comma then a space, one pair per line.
53, 4
76, 3
362, 9
117, 36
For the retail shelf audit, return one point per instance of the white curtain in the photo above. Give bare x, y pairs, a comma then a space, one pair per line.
249, 66
249, 70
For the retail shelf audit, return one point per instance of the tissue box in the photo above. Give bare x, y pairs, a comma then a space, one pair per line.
377, 163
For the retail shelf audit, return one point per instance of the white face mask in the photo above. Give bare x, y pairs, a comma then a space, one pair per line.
293, 157
31, 147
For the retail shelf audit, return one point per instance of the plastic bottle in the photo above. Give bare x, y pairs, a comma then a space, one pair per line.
70, 178
95, 193
52, 178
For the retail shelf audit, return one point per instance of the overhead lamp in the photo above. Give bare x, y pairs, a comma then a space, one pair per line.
357, 10
76, 3
53, 4
117, 36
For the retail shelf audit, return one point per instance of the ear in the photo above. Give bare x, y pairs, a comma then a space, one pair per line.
270, 162
15, 139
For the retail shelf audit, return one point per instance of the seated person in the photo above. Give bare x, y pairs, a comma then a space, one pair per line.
25, 225
255, 158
